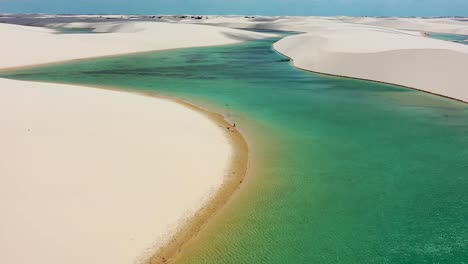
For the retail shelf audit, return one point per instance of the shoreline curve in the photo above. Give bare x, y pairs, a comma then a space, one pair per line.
236, 174
363, 79
234, 177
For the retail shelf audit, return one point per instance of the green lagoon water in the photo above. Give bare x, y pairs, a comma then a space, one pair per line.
342, 171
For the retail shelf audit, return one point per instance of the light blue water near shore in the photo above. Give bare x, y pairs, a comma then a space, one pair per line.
342, 171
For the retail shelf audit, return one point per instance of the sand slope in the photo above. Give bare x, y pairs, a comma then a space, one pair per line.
96, 176
382, 55
23, 45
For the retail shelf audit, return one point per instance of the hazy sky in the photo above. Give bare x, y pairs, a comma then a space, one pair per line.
248, 7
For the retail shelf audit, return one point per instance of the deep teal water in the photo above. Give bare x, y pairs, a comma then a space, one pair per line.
462, 39
342, 171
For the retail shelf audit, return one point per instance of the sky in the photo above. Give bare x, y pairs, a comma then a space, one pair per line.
242, 7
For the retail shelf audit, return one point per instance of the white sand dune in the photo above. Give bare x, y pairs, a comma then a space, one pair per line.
391, 50
306, 24
440, 25
418, 62
96, 176
24, 46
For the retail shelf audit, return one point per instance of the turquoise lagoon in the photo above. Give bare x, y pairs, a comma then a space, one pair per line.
342, 171
462, 39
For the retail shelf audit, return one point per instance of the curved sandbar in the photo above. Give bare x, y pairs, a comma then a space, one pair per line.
95, 176
382, 55
89, 175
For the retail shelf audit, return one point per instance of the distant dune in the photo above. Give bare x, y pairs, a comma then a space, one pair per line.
441, 25
25, 46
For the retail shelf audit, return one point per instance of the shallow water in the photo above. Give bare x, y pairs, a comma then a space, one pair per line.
342, 171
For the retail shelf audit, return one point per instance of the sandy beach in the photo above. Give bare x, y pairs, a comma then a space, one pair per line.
98, 176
